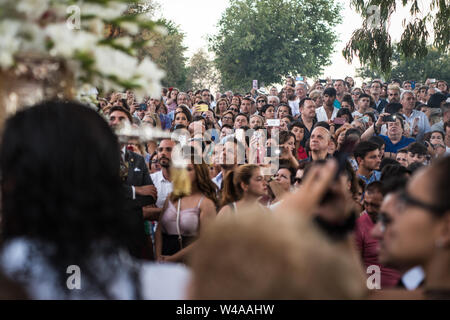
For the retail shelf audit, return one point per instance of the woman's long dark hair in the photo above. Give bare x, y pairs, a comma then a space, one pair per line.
61, 186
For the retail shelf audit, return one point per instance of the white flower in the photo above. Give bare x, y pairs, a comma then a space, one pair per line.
33, 9
110, 11
67, 41
10, 42
123, 41
109, 61
131, 27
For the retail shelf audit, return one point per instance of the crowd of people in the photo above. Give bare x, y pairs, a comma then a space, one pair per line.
313, 191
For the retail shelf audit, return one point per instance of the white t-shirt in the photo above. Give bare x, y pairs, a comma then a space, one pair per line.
163, 186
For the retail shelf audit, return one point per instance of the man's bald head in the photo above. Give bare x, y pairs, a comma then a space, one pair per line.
320, 138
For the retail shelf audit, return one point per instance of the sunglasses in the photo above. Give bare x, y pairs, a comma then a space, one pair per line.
261, 101
233, 109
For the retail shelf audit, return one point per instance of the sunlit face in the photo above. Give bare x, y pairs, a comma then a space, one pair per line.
300, 91
270, 113
240, 121
308, 109
364, 103
408, 101
222, 106
255, 122
375, 88
227, 119
173, 95
346, 105
246, 106
372, 160
394, 128
299, 133
290, 144
402, 158
284, 124
283, 177
180, 118
320, 138
257, 185
328, 100
416, 158
116, 118
339, 86
282, 112
235, 100
436, 138
372, 202
183, 99
442, 86
273, 101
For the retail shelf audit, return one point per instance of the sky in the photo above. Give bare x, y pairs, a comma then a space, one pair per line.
198, 19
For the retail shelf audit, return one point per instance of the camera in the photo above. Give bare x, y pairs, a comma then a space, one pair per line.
389, 118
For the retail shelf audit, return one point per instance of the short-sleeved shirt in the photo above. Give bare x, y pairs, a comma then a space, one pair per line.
375, 176
393, 148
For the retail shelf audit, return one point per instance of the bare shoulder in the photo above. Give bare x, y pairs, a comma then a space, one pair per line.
207, 204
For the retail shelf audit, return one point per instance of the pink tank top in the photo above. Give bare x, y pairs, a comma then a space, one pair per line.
188, 220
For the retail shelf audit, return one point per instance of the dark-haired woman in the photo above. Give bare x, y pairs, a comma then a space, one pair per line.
419, 234
65, 223
184, 217
243, 187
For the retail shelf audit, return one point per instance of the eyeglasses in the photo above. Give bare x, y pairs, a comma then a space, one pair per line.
384, 220
410, 201
227, 118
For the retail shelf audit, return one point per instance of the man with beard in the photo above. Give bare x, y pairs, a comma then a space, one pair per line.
139, 189
161, 179
228, 159
368, 245
367, 154
308, 117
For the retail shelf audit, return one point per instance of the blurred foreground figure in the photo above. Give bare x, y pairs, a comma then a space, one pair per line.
245, 259
65, 233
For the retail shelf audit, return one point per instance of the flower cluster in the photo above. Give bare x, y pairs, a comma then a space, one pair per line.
77, 32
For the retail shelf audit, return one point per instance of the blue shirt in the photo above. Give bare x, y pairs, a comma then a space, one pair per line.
393, 148
337, 104
375, 176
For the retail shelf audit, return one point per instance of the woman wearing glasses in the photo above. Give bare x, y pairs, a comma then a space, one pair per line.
420, 233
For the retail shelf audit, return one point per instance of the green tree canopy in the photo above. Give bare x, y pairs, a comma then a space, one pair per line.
268, 39
434, 65
202, 72
372, 42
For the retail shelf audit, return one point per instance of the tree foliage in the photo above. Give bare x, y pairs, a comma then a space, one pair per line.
168, 53
434, 65
268, 39
202, 72
372, 42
